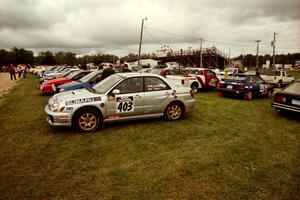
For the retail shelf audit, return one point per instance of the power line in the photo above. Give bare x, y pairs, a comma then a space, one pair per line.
212, 41
154, 38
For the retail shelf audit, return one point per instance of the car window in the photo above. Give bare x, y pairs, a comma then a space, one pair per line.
259, 79
283, 73
155, 84
131, 85
210, 73
251, 79
200, 72
277, 73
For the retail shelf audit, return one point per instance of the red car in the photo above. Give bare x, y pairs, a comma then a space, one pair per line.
207, 78
49, 86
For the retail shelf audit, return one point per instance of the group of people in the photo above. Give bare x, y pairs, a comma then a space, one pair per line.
21, 70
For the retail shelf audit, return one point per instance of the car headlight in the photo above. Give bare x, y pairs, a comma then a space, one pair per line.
53, 106
62, 90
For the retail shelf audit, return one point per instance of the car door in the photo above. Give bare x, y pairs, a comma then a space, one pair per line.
130, 101
157, 95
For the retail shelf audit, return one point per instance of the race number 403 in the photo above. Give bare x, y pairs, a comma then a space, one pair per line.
125, 104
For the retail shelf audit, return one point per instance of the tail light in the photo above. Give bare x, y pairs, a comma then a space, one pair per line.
221, 85
240, 87
279, 99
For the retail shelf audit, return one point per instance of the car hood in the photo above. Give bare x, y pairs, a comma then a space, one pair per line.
54, 81
82, 95
71, 84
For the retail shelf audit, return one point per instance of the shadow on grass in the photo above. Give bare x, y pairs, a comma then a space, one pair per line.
292, 116
111, 126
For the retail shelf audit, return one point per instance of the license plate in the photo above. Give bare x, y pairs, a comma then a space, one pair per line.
229, 86
296, 102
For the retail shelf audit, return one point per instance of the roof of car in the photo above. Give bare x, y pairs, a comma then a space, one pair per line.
134, 74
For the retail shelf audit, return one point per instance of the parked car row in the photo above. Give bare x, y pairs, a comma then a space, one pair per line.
87, 100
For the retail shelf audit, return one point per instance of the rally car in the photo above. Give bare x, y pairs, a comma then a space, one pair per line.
50, 86
246, 86
124, 96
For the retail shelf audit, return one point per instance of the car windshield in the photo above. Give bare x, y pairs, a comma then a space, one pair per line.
230, 70
66, 73
293, 88
107, 83
72, 74
88, 77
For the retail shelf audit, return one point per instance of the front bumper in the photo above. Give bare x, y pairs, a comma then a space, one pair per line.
58, 118
189, 105
281, 106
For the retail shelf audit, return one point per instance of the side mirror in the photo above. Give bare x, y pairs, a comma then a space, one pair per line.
116, 91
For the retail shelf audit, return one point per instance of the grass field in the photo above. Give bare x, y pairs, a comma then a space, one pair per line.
226, 149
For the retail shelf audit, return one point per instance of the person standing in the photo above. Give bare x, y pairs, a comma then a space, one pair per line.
12, 72
19, 71
24, 71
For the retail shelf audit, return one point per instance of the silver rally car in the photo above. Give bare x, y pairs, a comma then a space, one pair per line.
124, 96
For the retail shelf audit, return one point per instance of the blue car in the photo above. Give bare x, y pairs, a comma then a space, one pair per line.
85, 82
245, 86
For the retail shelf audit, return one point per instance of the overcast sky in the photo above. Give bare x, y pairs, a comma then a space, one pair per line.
113, 26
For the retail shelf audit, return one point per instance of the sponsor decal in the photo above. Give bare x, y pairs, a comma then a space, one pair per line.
125, 104
64, 117
85, 100
69, 108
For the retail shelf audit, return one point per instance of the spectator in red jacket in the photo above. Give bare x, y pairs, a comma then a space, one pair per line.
12, 72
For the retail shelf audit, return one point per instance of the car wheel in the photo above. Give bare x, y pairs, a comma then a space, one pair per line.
86, 120
173, 112
279, 84
194, 87
248, 95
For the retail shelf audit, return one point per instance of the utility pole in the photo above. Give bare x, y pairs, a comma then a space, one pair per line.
201, 52
141, 39
229, 58
257, 52
273, 44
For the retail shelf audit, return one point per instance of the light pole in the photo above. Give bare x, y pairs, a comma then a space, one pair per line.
141, 39
257, 52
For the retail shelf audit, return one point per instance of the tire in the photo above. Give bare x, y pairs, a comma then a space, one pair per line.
174, 111
194, 87
279, 84
86, 120
248, 96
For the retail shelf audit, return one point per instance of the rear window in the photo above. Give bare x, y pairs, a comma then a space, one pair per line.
293, 88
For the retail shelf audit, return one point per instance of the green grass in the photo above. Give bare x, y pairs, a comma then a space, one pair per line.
226, 149
295, 74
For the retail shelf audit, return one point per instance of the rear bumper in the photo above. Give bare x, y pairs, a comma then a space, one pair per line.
231, 91
58, 118
281, 106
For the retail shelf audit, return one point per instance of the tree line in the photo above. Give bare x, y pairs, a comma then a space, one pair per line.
250, 60
22, 56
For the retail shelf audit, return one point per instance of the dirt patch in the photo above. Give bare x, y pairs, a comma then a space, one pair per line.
5, 85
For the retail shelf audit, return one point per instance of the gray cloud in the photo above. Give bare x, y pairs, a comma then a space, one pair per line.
114, 25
